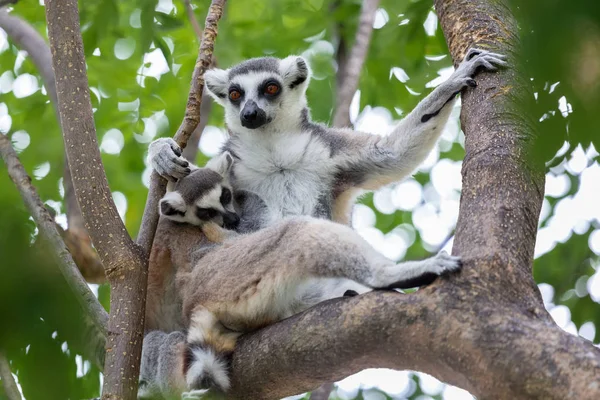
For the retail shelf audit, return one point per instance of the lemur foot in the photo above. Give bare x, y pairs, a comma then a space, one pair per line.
474, 60
164, 155
443, 263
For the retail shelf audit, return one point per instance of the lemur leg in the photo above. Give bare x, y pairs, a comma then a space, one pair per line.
342, 252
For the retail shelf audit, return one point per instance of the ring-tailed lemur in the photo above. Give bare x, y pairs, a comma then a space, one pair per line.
252, 281
301, 168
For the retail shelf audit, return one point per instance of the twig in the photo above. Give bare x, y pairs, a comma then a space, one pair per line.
4, 3
192, 18
77, 238
189, 124
125, 265
45, 223
8, 381
323, 392
354, 64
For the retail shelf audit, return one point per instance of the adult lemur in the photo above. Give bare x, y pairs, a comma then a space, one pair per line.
301, 168
281, 270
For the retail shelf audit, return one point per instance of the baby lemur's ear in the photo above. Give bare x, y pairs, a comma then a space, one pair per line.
216, 82
172, 205
221, 164
295, 71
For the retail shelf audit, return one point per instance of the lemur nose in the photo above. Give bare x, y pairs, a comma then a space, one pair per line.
250, 111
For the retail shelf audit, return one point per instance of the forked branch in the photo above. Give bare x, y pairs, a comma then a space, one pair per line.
126, 267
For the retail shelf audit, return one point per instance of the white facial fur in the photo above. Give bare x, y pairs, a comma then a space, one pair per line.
283, 112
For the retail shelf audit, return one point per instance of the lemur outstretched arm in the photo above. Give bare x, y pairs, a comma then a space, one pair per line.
371, 161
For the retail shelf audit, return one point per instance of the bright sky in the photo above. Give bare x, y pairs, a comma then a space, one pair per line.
434, 206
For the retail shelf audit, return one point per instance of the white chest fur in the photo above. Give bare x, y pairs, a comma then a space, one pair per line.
290, 171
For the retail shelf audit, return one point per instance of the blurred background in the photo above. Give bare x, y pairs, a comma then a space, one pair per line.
140, 55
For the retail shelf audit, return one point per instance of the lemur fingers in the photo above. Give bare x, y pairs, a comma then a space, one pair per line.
165, 157
444, 263
477, 58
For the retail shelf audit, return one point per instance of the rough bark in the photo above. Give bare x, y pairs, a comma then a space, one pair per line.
191, 119
350, 73
76, 237
93, 311
485, 329
8, 382
126, 266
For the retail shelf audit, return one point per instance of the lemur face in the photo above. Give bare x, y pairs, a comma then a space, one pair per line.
260, 92
203, 196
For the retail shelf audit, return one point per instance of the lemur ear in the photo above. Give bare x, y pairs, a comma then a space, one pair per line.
295, 71
221, 163
216, 83
172, 205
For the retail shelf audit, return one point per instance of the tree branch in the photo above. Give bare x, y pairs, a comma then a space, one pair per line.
77, 239
126, 266
193, 20
8, 382
190, 122
323, 392
348, 82
45, 223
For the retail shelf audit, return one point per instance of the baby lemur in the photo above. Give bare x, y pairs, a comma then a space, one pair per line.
280, 270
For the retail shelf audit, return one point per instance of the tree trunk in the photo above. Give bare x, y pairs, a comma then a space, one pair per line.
485, 329
126, 267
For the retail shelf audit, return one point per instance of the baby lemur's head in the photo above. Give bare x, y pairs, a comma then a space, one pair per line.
205, 195
261, 93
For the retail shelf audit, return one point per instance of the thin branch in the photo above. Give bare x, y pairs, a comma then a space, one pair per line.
27, 38
8, 381
190, 122
45, 223
354, 64
191, 150
323, 392
125, 264
193, 20
4, 3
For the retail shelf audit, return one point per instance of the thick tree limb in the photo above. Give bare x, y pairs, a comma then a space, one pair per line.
190, 122
77, 239
126, 266
8, 382
348, 81
485, 329
47, 228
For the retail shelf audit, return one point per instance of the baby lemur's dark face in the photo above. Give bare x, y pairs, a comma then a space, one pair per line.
202, 196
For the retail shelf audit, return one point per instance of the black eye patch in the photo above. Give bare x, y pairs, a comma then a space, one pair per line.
206, 214
270, 88
225, 196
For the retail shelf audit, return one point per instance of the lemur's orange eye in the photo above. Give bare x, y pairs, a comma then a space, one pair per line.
272, 89
234, 95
